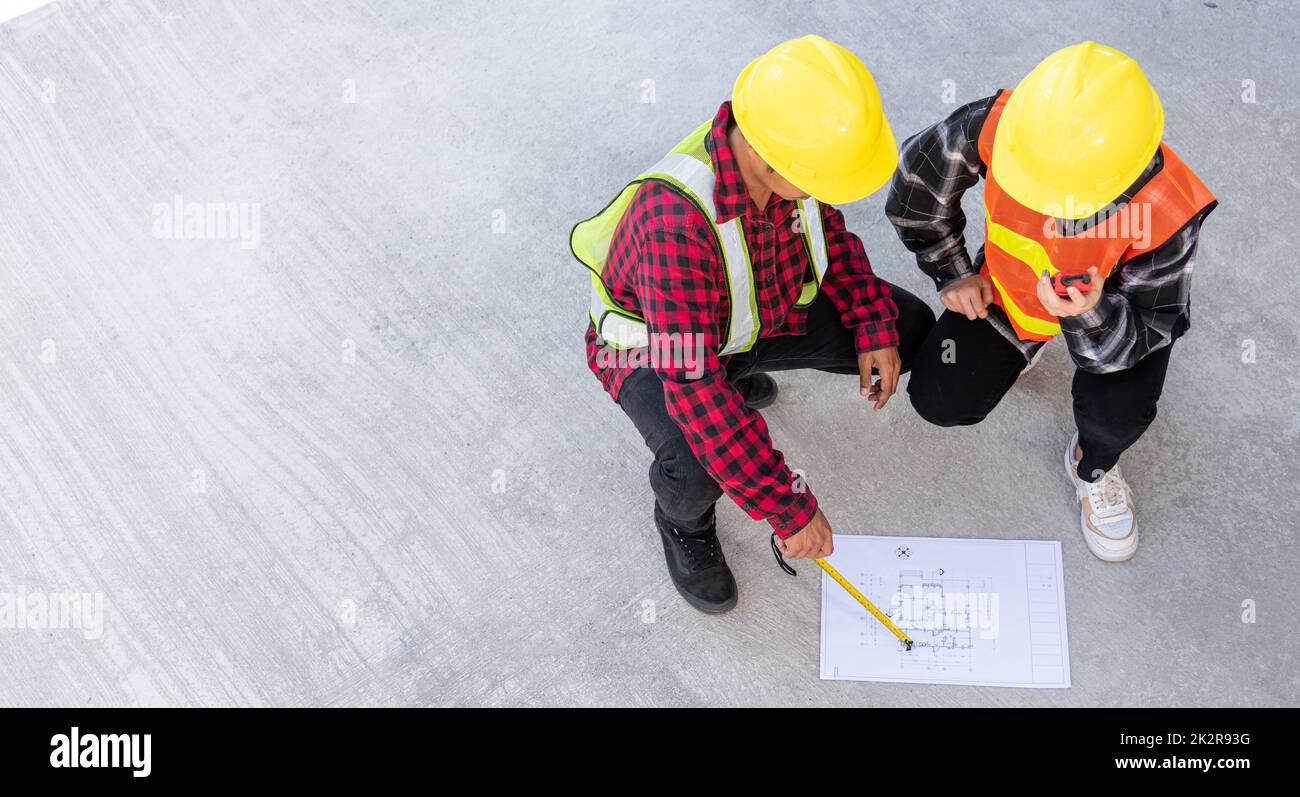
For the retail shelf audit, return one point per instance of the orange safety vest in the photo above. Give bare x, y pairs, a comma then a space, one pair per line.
1021, 243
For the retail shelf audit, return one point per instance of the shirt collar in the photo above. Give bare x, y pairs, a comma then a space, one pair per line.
729, 194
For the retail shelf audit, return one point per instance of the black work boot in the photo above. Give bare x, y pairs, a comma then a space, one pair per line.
698, 569
759, 390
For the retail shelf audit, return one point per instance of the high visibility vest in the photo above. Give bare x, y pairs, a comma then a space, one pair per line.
1021, 243
688, 170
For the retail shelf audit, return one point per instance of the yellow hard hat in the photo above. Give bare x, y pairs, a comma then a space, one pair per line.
811, 110
1077, 131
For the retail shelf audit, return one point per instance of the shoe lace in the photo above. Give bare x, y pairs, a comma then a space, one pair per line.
702, 550
1107, 495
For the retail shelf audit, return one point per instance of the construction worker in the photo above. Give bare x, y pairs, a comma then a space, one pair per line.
725, 261
1077, 182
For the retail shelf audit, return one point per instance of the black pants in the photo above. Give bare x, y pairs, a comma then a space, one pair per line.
965, 367
684, 492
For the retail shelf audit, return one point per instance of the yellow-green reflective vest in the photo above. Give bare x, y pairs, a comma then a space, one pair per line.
688, 170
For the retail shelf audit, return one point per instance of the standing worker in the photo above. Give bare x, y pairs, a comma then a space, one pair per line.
1077, 182
727, 257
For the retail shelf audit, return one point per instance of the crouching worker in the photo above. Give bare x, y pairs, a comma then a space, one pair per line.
725, 261
1091, 229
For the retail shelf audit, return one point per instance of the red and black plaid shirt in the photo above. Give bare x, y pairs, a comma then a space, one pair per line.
663, 264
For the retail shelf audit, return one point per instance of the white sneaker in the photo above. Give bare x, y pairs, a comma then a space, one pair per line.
1105, 511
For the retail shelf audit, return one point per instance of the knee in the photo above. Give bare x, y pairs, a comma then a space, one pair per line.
936, 411
679, 470
938, 407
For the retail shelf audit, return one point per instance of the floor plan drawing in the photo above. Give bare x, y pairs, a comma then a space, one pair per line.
979, 612
948, 644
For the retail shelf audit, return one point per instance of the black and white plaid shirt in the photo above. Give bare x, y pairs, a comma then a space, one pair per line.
1145, 303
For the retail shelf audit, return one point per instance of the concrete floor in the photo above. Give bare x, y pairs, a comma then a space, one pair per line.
363, 462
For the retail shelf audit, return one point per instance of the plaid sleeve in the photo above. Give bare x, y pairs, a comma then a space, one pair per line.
935, 167
1144, 305
863, 299
679, 299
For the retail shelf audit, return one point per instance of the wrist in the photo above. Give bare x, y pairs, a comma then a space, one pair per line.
957, 267
1094, 318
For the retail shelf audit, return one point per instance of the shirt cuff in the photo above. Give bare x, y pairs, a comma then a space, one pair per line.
1097, 318
870, 337
959, 266
799, 514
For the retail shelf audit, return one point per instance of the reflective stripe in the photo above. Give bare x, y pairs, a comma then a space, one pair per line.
1034, 257
613, 327
1025, 321
697, 179
693, 175
811, 217
688, 169
814, 236
740, 284
1026, 250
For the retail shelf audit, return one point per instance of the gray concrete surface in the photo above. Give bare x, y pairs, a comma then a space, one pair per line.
363, 462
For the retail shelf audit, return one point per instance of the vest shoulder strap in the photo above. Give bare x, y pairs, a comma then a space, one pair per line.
814, 234
1176, 196
990, 128
688, 171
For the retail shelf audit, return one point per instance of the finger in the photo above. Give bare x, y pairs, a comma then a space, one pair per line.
1094, 285
888, 384
1047, 296
968, 306
980, 298
986, 292
1076, 297
947, 300
1046, 293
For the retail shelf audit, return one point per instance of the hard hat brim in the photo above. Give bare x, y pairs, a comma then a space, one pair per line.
843, 189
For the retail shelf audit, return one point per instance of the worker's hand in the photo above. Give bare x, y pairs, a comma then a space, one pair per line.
810, 542
888, 366
1078, 303
969, 296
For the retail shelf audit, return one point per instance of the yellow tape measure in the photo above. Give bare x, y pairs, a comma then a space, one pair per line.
866, 604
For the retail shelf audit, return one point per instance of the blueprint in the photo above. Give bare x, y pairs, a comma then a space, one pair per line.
980, 612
